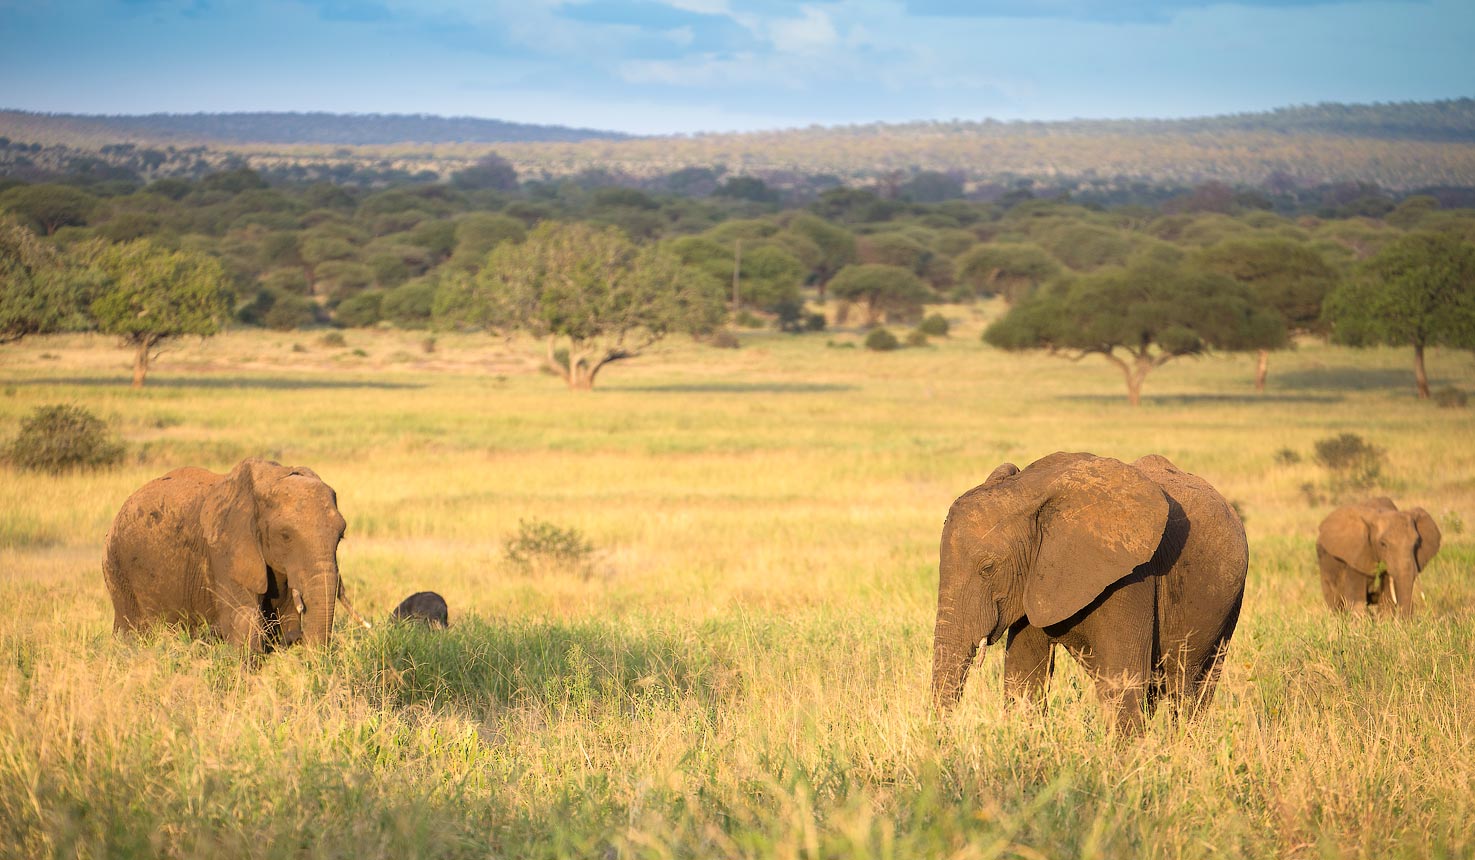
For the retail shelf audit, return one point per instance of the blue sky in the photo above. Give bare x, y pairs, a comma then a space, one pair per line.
658, 66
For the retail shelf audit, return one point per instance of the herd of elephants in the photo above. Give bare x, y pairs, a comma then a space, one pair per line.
1136, 569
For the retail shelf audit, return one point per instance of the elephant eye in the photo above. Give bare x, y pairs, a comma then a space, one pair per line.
286, 537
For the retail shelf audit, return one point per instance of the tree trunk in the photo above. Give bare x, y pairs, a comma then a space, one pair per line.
141, 362
1262, 369
1420, 377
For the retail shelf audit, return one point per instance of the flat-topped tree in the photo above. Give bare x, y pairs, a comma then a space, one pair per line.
1288, 277
1139, 318
1419, 289
150, 294
587, 290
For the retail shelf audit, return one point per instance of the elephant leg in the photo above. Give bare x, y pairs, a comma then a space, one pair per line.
1029, 661
1341, 587
238, 616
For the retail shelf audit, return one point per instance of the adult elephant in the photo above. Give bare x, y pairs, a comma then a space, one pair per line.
1372, 550
1138, 571
251, 556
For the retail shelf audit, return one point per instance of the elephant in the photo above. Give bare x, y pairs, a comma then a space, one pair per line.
1138, 571
426, 607
1370, 550
251, 557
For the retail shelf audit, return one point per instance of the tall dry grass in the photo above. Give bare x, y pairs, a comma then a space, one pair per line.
745, 672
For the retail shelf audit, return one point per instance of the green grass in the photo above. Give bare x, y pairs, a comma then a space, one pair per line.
745, 672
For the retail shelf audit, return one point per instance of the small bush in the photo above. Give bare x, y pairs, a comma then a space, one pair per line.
916, 337
935, 325
361, 353
882, 340
1353, 462
428, 345
1287, 457
333, 339
1311, 494
814, 322
1450, 397
542, 547
747, 319
297, 347
290, 312
1452, 523
63, 438
725, 339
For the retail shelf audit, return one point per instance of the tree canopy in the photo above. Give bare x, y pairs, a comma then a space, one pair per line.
883, 290
1139, 318
589, 288
41, 291
1418, 290
150, 294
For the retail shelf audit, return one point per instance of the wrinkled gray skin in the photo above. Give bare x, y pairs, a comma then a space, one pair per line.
1138, 571
426, 607
225, 554
1355, 541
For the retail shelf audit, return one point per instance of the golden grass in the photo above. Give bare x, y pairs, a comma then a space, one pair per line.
745, 672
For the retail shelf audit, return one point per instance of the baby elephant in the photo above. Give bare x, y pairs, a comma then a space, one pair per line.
427, 607
1371, 550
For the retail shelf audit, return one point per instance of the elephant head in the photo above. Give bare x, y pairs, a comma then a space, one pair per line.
267, 526
1043, 543
1376, 538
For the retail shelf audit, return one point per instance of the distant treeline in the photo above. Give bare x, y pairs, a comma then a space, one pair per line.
285, 128
1398, 147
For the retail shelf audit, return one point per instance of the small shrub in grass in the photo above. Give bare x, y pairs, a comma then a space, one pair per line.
724, 339
1450, 397
916, 337
1353, 462
935, 325
428, 345
360, 353
814, 322
541, 547
63, 438
1287, 457
747, 319
881, 340
333, 339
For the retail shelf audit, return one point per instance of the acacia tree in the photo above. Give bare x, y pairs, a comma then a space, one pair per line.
1007, 269
1139, 319
41, 291
1420, 290
150, 294
882, 289
1286, 277
587, 289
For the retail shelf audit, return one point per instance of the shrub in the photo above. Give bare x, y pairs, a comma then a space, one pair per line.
1287, 457
1450, 397
747, 319
333, 339
428, 345
1353, 462
290, 312
881, 340
542, 547
63, 438
814, 322
359, 311
935, 325
725, 339
916, 337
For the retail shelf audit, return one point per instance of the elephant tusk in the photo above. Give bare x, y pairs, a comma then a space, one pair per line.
1393, 586
343, 598
297, 602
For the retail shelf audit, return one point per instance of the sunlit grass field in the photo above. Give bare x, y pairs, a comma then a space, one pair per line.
742, 670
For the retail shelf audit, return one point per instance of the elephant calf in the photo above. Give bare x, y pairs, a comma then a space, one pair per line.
1370, 551
1137, 570
251, 556
427, 607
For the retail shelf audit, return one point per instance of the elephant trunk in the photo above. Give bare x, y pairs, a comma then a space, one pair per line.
1401, 588
320, 595
964, 618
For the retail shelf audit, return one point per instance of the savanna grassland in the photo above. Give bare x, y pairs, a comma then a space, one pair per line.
742, 670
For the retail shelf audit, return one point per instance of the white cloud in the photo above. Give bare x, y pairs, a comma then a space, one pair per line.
812, 33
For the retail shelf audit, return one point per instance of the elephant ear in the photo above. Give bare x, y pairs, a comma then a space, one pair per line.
1345, 534
1428, 536
1098, 520
229, 520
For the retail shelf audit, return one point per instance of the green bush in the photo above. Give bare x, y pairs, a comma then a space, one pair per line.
881, 340
725, 339
916, 337
935, 325
61, 438
1352, 461
359, 311
290, 312
1450, 397
542, 547
333, 339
